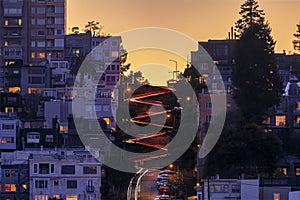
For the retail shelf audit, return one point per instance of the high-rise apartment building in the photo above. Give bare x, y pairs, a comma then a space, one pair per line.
31, 31
46, 25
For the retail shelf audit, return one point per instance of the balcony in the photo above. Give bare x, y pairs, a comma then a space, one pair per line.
13, 74
12, 35
13, 52
90, 188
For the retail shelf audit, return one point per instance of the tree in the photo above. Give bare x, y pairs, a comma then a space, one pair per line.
75, 30
243, 148
250, 14
94, 28
257, 83
296, 42
194, 78
124, 67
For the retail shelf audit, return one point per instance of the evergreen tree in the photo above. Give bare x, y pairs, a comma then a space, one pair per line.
250, 14
257, 83
296, 42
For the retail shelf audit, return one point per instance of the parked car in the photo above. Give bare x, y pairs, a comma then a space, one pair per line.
163, 197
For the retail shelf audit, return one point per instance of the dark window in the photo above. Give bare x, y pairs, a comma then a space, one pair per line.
41, 32
35, 168
41, 184
7, 173
43, 168
90, 170
55, 182
72, 184
52, 168
68, 169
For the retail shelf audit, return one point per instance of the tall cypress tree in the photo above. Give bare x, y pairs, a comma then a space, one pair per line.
257, 83
296, 42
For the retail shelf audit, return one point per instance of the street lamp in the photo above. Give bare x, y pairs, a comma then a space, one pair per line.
175, 68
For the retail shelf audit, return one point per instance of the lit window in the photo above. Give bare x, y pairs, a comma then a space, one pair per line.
41, 197
297, 171
280, 120
267, 121
9, 63
63, 128
7, 140
297, 120
41, 55
71, 197
34, 90
9, 109
24, 186
20, 22
276, 196
284, 171
297, 105
5, 43
6, 22
10, 188
33, 55
114, 54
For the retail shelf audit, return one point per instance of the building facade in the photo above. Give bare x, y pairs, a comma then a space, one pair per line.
10, 127
71, 177
31, 32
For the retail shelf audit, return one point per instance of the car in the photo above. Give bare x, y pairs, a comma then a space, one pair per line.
164, 183
163, 197
168, 190
163, 177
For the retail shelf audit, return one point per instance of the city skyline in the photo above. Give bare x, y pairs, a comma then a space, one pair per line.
193, 18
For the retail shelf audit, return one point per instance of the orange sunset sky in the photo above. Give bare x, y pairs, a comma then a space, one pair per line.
198, 19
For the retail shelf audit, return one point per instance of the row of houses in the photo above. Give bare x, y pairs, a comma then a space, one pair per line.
50, 174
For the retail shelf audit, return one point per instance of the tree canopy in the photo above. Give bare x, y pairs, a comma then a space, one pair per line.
94, 28
255, 77
296, 42
243, 148
250, 14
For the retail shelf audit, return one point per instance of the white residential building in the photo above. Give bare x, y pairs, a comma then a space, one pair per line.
9, 131
71, 177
